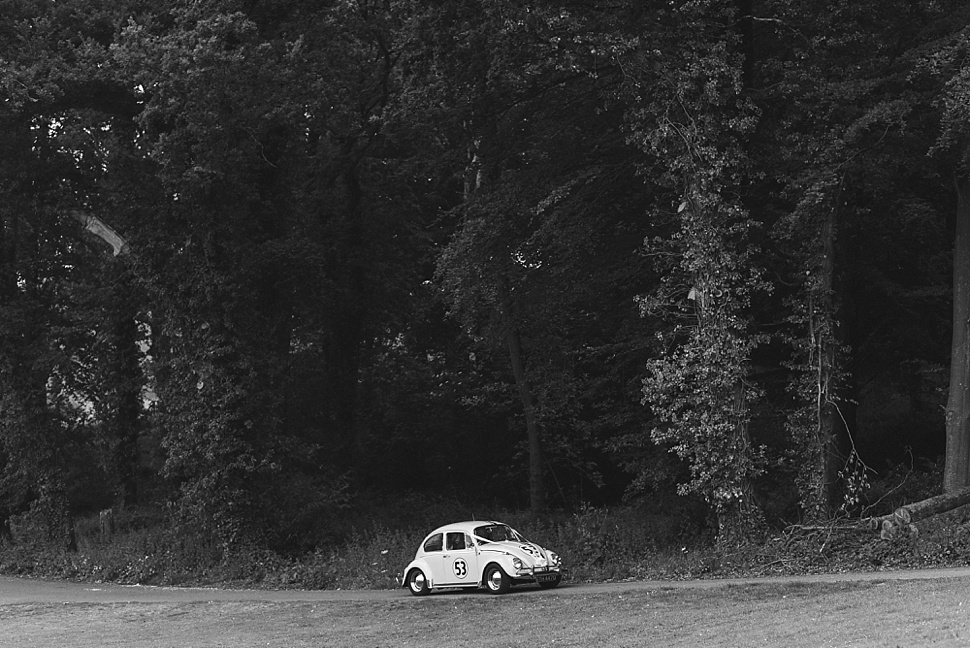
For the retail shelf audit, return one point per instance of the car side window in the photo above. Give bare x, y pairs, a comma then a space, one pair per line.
433, 543
456, 541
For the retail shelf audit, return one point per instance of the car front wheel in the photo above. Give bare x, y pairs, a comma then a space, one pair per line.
496, 580
417, 583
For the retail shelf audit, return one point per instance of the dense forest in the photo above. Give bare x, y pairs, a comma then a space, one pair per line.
261, 257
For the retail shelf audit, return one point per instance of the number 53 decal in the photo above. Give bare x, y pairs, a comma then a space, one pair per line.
461, 568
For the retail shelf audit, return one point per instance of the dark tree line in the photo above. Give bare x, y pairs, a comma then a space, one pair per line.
535, 253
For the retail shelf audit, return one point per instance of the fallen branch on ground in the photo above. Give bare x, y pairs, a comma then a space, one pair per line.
905, 517
850, 528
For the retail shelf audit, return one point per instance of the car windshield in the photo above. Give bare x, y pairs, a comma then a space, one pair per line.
497, 533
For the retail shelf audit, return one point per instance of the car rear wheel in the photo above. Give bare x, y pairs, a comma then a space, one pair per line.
496, 580
417, 583
550, 584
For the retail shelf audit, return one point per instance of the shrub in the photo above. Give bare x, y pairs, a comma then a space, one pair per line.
366, 552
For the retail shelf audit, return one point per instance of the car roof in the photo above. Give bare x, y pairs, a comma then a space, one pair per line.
467, 526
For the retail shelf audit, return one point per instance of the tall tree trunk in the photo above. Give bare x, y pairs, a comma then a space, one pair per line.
127, 408
822, 433
537, 491
833, 434
348, 324
956, 474
474, 177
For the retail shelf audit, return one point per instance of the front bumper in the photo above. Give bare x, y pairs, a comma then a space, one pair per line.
541, 574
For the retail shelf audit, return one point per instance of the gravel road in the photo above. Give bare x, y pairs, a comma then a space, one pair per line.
28, 590
878, 609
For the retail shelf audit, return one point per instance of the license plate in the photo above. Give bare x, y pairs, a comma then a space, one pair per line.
546, 578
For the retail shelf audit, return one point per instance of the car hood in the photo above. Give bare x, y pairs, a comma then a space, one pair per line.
530, 553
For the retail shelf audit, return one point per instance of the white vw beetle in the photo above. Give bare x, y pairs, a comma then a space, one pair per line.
477, 554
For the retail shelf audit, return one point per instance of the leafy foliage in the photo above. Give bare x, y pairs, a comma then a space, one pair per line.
694, 124
693, 246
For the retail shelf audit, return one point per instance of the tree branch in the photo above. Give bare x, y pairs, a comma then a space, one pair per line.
97, 227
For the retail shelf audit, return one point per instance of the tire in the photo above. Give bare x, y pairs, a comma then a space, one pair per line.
417, 583
496, 580
551, 584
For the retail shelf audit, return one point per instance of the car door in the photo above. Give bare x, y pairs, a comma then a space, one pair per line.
459, 560
434, 556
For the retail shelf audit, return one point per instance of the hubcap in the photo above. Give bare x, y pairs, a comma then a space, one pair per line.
495, 579
417, 581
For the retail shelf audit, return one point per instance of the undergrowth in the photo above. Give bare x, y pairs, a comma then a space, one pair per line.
371, 544
368, 552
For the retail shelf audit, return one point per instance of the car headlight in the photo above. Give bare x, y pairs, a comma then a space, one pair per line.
553, 558
517, 563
